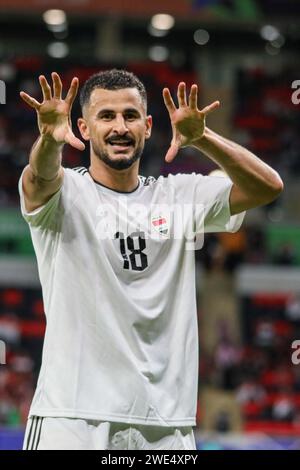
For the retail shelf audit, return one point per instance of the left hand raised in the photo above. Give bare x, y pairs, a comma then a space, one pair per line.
188, 122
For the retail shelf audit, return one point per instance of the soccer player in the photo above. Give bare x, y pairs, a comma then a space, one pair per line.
116, 264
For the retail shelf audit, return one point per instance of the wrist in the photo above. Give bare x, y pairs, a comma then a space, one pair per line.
200, 142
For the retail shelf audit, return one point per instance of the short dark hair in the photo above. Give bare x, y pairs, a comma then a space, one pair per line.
114, 79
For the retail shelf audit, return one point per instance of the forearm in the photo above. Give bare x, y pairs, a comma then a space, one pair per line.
247, 171
45, 158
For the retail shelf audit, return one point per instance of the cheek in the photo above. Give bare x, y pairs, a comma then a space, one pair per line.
141, 133
97, 133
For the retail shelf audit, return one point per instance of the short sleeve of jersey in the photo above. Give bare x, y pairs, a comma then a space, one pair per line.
210, 198
47, 214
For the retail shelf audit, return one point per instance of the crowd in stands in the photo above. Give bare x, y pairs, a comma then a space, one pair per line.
261, 368
22, 326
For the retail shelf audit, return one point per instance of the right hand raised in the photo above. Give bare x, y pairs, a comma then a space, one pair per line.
54, 113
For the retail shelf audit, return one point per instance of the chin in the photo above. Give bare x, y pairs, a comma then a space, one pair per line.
120, 162
120, 156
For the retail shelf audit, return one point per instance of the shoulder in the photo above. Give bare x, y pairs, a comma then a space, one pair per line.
76, 179
181, 181
79, 174
80, 170
180, 187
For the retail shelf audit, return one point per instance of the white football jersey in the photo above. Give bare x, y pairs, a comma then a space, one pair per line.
118, 277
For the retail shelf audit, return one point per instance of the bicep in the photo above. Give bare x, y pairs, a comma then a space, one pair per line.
37, 191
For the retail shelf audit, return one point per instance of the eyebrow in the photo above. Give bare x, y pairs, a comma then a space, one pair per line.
127, 110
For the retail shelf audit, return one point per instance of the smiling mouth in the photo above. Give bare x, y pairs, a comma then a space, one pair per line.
121, 146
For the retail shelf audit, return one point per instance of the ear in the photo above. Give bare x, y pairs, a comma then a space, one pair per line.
148, 126
83, 128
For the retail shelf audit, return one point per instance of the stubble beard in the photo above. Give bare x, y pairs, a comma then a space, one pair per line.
117, 163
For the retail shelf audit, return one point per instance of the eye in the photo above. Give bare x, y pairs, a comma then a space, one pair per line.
107, 116
130, 116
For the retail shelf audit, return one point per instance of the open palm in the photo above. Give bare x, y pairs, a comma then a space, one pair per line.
187, 121
54, 113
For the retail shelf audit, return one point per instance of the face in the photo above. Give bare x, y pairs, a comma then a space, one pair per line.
116, 124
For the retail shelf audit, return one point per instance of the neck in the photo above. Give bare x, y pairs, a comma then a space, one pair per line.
124, 181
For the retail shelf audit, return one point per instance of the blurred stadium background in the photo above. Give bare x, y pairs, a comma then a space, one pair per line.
244, 53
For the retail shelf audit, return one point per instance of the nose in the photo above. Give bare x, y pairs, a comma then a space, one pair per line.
120, 125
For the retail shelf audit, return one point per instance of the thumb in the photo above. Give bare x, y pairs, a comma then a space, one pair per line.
171, 153
74, 141
211, 107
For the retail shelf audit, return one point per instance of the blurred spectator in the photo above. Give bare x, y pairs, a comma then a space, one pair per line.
10, 328
222, 422
16, 389
286, 255
284, 408
227, 358
250, 391
265, 333
292, 310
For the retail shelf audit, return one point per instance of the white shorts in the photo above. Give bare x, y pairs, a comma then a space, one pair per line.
80, 434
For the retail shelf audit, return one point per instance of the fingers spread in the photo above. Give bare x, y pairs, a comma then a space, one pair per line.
193, 98
29, 100
45, 88
168, 101
181, 94
210, 107
57, 85
171, 153
72, 92
74, 141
